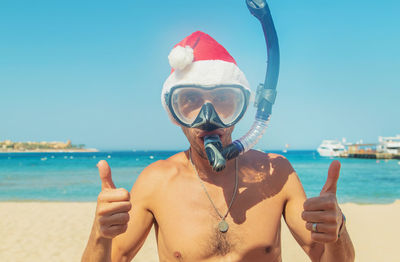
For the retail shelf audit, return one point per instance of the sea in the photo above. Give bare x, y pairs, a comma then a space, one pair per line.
74, 176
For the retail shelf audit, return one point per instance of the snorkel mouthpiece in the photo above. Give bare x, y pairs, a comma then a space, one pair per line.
213, 147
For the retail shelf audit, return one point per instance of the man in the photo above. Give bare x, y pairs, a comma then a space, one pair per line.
203, 215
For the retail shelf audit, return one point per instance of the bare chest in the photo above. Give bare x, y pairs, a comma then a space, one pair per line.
187, 224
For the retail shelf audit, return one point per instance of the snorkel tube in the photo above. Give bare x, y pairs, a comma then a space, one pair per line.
265, 96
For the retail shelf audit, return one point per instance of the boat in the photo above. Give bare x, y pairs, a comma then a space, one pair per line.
390, 145
286, 148
331, 148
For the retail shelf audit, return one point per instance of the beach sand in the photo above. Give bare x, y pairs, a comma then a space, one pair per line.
58, 231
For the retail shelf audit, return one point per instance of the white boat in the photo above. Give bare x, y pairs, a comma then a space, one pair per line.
331, 148
286, 148
389, 145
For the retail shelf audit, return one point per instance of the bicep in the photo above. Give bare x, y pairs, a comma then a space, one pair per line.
292, 214
126, 245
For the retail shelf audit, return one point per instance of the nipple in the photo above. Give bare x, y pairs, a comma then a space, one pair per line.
177, 254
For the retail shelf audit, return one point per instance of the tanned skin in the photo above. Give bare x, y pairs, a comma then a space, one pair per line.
169, 195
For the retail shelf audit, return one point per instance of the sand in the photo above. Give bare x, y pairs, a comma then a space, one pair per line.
58, 231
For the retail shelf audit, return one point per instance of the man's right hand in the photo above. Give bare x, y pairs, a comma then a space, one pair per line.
113, 205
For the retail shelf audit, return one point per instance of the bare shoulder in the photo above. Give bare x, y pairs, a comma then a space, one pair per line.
155, 175
282, 168
267, 171
280, 177
274, 162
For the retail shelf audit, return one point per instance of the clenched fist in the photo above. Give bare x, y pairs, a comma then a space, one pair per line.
113, 205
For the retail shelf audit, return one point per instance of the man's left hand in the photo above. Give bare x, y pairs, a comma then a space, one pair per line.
322, 214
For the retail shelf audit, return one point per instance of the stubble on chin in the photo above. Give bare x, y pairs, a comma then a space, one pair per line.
194, 145
200, 151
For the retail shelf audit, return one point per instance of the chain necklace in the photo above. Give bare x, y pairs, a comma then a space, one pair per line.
222, 225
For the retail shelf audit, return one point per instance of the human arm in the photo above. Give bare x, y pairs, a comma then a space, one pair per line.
115, 220
300, 213
126, 245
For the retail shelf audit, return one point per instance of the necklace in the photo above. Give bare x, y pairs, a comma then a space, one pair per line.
222, 225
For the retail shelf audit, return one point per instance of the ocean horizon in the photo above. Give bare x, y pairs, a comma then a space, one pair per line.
73, 176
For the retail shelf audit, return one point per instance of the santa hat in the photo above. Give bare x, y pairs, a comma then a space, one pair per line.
200, 60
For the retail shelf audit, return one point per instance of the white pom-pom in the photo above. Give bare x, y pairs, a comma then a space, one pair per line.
180, 57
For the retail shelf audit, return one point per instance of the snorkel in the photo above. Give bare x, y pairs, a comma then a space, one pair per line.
265, 96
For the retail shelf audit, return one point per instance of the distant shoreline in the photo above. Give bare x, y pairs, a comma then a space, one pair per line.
52, 151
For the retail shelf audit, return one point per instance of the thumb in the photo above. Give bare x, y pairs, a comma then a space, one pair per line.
333, 176
105, 175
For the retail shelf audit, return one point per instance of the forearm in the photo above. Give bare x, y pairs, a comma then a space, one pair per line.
98, 249
342, 250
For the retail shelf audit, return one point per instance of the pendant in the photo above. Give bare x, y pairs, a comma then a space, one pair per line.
223, 226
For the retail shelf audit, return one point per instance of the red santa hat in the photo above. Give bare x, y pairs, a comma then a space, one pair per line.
200, 60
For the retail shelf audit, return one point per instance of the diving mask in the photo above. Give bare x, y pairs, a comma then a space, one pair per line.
208, 108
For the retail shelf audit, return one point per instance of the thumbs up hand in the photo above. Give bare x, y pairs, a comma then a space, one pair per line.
322, 214
113, 205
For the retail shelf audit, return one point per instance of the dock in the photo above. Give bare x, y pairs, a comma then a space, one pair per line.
371, 155
367, 151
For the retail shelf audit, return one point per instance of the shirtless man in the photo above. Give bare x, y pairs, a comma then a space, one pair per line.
186, 200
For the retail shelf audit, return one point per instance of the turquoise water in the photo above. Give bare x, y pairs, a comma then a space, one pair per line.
74, 176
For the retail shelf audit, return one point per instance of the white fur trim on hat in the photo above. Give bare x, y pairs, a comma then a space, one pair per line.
180, 57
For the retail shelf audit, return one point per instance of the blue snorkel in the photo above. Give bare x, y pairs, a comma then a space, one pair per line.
265, 96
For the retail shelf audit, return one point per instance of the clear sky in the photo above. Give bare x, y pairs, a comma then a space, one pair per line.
92, 71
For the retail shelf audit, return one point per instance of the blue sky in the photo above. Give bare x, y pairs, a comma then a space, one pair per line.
92, 71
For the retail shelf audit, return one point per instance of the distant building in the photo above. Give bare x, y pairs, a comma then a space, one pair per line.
389, 145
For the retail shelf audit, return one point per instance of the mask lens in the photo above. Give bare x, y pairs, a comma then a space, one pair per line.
228, 102
187, 103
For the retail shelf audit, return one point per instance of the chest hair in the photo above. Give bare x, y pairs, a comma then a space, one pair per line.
221, 243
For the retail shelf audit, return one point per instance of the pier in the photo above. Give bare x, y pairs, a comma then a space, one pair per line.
367, 151
371, 155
